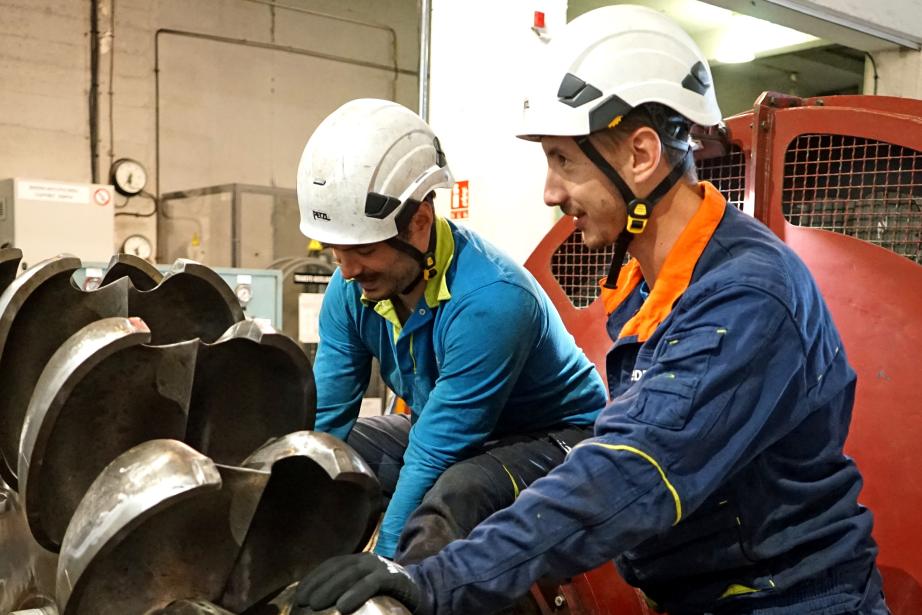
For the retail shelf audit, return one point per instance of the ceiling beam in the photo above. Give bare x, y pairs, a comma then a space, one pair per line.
824, 23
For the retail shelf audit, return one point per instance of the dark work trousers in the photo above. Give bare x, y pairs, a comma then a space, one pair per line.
469, 491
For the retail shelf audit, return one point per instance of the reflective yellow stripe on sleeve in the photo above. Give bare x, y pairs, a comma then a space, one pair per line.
653, 462
737, 590
515, 485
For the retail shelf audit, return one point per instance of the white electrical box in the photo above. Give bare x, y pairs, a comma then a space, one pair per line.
45, 218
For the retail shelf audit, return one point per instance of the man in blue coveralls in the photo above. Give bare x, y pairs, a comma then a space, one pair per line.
498, 389
716, 478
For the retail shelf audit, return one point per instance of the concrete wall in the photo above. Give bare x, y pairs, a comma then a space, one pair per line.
44, 64
228, 111
898, 17
859, 24
899, 73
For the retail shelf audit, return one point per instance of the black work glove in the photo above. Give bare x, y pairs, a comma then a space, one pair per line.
349, 581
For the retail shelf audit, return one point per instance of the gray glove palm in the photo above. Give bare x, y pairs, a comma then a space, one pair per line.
349, 581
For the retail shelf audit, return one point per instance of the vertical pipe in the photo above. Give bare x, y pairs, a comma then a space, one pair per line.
111, 35
424, 35
93, 99
236, 215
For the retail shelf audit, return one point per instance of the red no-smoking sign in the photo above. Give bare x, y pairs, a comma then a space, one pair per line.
101, 197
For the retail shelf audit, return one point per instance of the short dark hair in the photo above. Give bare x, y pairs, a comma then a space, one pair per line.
404, 233
672, 128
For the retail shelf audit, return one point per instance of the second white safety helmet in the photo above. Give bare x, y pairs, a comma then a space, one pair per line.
610, 60
364, 170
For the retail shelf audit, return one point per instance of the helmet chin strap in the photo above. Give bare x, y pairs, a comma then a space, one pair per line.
639, 209
426, 260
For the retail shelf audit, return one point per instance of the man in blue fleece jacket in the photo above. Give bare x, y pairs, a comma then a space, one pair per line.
498, 389
716, 477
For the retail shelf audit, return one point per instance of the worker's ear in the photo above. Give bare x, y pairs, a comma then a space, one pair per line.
636, 155
423, 219
646, 153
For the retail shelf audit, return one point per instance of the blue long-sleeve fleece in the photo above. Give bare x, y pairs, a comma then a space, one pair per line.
484, 354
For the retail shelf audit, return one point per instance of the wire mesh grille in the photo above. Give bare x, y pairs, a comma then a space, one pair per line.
728, 174
868, 189
579, 269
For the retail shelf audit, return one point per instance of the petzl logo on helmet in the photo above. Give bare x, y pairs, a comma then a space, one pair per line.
321, 215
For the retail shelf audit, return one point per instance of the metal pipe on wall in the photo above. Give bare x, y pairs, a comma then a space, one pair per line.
425, 32
100, 43
298, 9
245, 43
369, 24
93, 96
110, 36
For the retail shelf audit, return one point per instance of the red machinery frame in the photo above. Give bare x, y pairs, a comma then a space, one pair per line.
874, 294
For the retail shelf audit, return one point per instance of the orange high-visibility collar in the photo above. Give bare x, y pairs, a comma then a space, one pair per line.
675, 274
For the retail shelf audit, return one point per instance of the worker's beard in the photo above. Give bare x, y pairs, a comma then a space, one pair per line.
392, 282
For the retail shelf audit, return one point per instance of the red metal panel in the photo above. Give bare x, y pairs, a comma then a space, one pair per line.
603, 592
587, 324
870, 293
728, 174
888, 104
859, 187
732, 172
786, 125
598, 592
874, 294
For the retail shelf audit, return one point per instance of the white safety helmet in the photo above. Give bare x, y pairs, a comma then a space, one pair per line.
364, 171
610, 60
604, 64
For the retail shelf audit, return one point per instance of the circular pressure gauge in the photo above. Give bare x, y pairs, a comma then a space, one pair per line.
244, 289
128, 176
244, 293
138, 245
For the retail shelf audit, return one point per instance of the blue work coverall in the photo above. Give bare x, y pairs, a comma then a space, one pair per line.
716, 477
484, 355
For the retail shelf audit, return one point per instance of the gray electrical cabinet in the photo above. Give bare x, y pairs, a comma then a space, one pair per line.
231, 225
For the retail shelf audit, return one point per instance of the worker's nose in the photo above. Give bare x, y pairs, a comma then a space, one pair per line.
349, 265
555, 193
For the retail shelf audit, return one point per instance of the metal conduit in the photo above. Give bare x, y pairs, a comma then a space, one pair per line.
425, 32
245, 43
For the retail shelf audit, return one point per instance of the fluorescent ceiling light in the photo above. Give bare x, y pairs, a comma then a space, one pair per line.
735, 54
744, 37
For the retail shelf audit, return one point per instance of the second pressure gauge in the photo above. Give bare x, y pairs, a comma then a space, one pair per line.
138, 245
